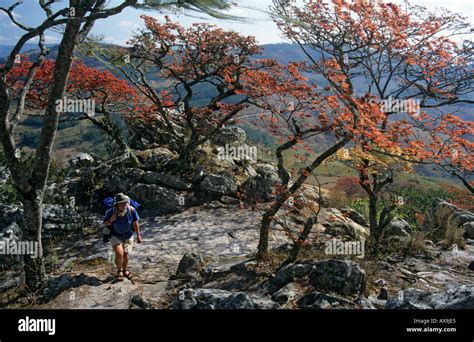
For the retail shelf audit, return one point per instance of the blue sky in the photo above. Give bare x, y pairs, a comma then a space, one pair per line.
118, 29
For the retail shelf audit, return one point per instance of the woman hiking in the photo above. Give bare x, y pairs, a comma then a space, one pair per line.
121, 221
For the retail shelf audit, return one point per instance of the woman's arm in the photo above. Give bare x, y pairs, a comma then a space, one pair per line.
136, 227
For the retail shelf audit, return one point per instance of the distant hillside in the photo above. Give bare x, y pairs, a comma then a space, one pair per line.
82, 133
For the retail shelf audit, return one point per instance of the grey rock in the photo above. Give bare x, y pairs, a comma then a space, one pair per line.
4, 175
289, 273
156, 158
56, 286
236, 301
338, 225
398, 227
443, 216
61, 217
122, 180
264, 303
158, 199
191, 264
166, 180
469, 229
221, 300
383, 295
380, 282
9, 214
395, 304
231, 135
317, 300
365, 303
458, 297
286, 294
260, 187
81, 160
219, 185
340, 276
12, 232
354, 216
139, 301
9, 280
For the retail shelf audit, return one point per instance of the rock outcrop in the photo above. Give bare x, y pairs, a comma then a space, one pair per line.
444, 216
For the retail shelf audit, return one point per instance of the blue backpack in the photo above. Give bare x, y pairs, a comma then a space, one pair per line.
109, 203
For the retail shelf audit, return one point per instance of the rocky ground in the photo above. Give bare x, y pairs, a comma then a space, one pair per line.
200, 233
218, 270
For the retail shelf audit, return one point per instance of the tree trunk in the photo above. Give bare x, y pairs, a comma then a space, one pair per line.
33, 200
35, 277
301, 240
262, 249
374, 227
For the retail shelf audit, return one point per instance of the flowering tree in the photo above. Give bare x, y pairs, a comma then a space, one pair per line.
371, 52
107, 94
189, 60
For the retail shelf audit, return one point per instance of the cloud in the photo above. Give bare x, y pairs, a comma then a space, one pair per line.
116, 41
127, 23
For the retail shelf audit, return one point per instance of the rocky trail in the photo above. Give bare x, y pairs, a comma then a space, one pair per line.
218, 243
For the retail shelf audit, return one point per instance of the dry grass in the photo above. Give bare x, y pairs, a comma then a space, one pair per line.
455, 236
416, 244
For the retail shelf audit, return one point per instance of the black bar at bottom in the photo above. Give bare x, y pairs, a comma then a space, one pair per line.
429, 325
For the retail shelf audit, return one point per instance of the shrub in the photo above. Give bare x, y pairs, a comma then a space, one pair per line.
350, 186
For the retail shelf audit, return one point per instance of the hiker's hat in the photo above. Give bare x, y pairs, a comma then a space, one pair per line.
121, 198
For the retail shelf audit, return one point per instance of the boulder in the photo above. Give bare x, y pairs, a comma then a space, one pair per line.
56, 216
166, 180
260, 187
122, 180
286, 294
190, 265
11, 232
340, 276
337, 225
219, 185
398, 227
456, 297
231, 135
158, 199
156, 158
354, 216
317, 300
289, 273
221, 300
444, 216
81, 160
9, 214
56, 286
